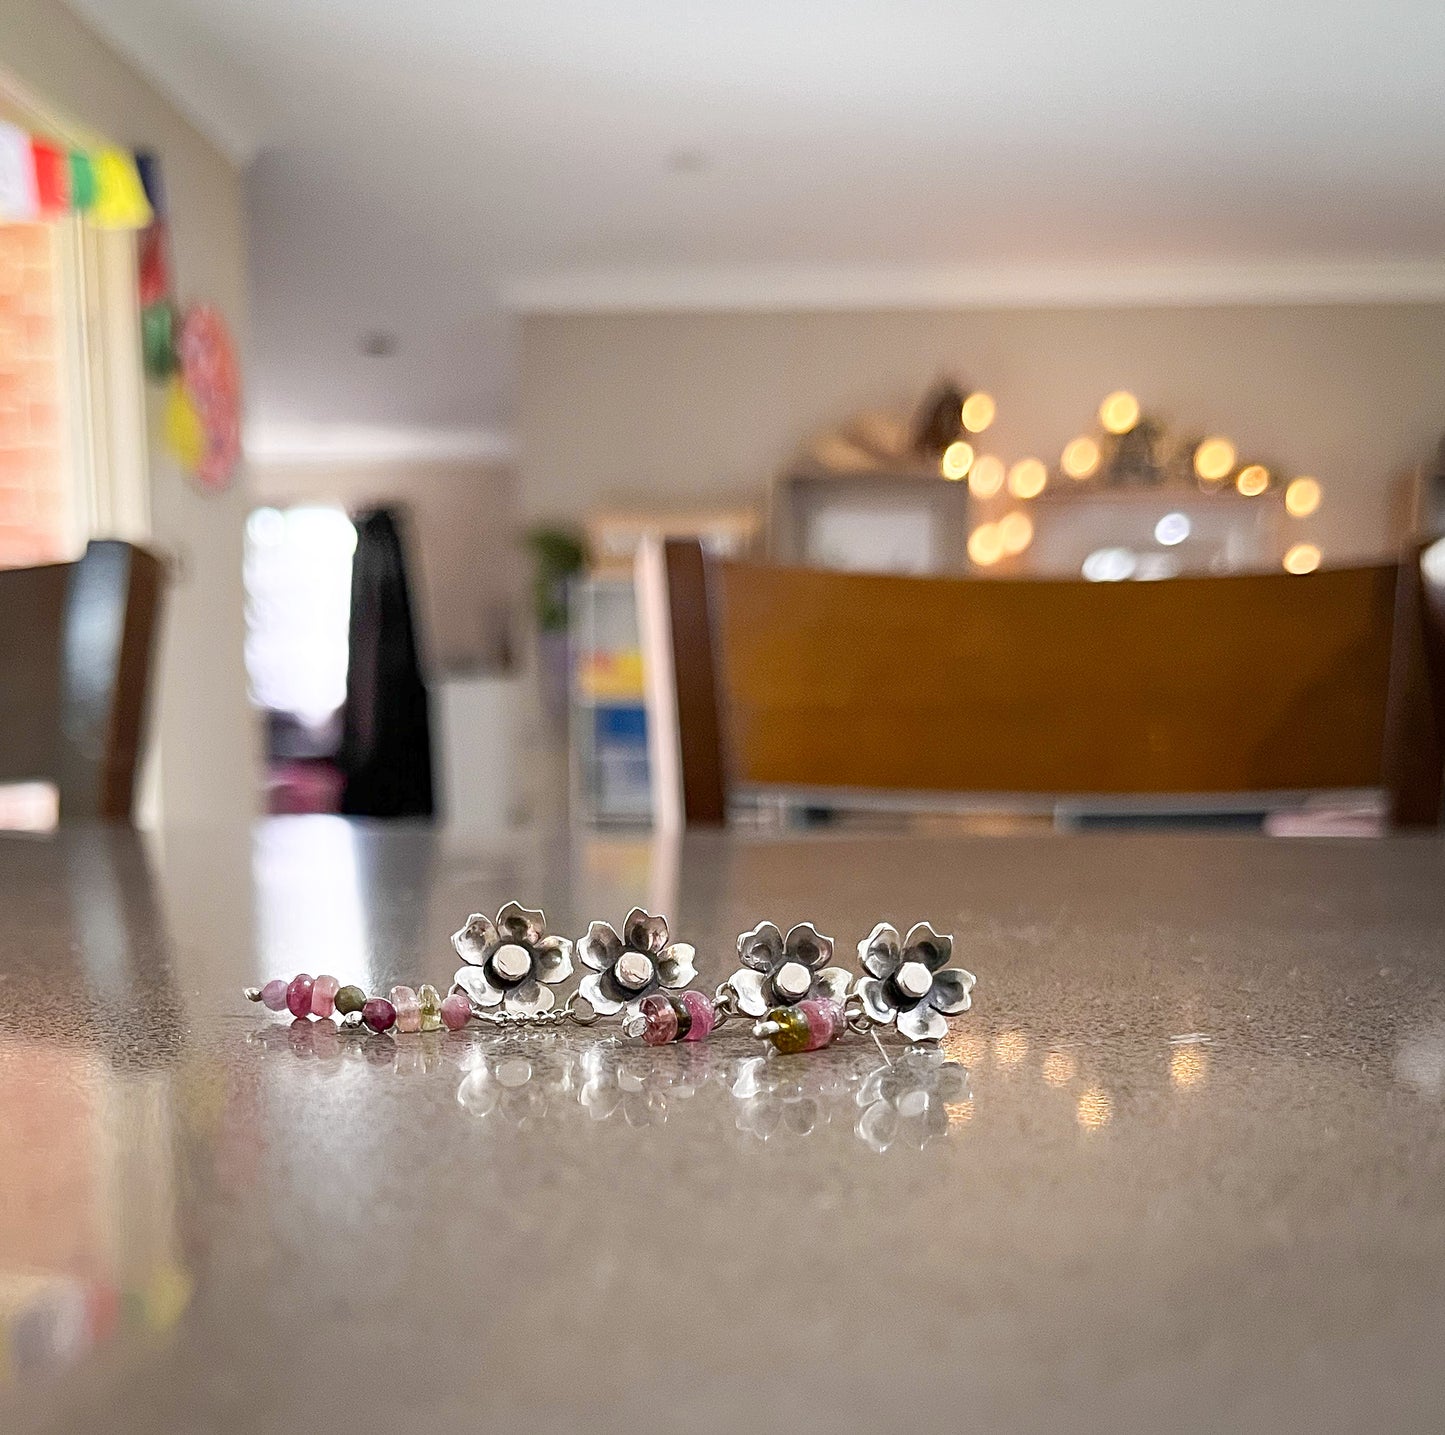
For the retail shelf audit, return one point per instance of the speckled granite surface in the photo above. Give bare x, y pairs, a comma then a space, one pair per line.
1192, 1179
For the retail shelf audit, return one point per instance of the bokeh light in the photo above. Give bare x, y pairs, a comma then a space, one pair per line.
1095, 1108
1059, 1068
1015, 532
1302, 497
1119, 412
1010, 1048
1188, 1065
1213, 459
1080, 458
985, 546
1172, 528
986, 477
1026, 479
1302, 558
1252, 480
977, 412
957, 460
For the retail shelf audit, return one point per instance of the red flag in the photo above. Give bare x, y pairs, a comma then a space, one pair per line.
52, 177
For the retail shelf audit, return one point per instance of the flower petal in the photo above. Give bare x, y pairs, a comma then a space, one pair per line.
951, 988
521, 924
832, 982
760, 948
474, 942
644, 932
529, 998
875, 1000
553, 959
922, 1023
601, 947
473, 981
806, 944
632, 1011
675, 966
881, 950
591, 989
748, 985
925, 945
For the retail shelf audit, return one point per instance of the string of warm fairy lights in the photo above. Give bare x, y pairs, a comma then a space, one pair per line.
1128, 448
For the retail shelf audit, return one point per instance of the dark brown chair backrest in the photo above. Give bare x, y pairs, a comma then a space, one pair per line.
76, 646
803, 679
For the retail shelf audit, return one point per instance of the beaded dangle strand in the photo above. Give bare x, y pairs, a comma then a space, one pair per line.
800, 1001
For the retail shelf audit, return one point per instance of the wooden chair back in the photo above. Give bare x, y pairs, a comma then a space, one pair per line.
827, 682
76, 646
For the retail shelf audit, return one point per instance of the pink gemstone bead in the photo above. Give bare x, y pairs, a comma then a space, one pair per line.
825, 1021
323, 995
273, 994
408, 1009
703, 1013
298, 996
378, 1014
659, 1020
456, 1011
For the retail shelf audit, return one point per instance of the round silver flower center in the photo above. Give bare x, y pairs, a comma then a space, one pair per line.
792, 980
512, 962
633, 970
914, 979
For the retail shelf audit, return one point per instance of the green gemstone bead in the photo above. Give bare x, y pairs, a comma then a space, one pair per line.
792, 1034
429, 1002
350, 999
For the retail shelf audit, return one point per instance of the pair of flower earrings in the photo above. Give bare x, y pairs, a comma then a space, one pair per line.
800, 1001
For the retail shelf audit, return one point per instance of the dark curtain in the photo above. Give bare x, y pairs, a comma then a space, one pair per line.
386, 737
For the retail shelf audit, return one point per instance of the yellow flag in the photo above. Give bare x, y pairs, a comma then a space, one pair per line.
185, 433
120, 198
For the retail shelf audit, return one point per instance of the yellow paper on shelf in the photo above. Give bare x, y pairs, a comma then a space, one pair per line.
611, 675
120, 197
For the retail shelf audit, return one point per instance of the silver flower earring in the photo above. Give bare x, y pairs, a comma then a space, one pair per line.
906, 984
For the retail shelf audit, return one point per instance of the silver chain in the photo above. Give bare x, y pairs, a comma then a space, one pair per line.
725, 1004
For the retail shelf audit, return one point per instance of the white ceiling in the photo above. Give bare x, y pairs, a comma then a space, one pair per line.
422, 168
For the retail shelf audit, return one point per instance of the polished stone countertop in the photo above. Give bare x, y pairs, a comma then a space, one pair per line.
1182, 1168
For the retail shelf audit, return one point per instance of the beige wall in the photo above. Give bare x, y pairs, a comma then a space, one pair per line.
675, 409
206, 737
461, 522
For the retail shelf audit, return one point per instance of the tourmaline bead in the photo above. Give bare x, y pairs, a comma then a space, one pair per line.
456, 1011
825, 1020
273, 994
408, 1009
350, 999
323, 995
298, 996
703, 1013
659, 1020
792, 1029
807, 1026
429, 1005
379, 1014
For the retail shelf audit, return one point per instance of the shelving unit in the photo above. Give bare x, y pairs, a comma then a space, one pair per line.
608, 719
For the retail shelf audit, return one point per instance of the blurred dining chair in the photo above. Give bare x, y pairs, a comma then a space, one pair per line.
76, 645
844, 689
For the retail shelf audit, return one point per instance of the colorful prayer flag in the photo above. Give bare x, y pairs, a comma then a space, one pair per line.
52, 177
82, 181
120, 201
18, 199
